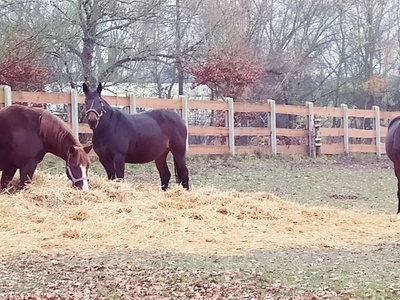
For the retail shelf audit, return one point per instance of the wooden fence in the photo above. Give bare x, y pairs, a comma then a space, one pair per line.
345, 139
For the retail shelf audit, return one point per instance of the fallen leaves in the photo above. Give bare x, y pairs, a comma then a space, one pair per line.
118, 277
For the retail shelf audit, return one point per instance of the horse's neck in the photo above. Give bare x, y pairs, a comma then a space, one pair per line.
107, 121
63, 145
56, 136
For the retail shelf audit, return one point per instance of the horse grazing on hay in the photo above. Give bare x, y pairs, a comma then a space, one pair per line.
120, 138
393, 152
27, 134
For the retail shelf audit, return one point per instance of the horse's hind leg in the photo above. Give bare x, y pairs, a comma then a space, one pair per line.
162, 167
178, 150
7, 176
182, 171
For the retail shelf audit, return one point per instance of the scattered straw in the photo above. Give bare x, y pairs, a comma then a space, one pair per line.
51, 217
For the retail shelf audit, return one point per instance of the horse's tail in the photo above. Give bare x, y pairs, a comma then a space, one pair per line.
177, 177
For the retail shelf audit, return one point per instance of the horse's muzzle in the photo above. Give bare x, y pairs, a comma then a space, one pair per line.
93, 120
93, 123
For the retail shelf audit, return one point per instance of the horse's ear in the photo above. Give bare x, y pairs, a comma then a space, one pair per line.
99, 88
85, 88
87, 148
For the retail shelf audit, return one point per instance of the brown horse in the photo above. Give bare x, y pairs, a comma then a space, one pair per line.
120, 138
393, 152
27, 134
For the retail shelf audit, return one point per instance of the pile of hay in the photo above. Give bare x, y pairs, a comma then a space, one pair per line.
51, 217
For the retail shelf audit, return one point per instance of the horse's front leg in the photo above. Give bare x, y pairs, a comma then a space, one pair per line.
26, 172
109, 167
119, 164
7, 176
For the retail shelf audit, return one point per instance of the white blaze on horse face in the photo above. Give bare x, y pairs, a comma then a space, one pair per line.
85, 181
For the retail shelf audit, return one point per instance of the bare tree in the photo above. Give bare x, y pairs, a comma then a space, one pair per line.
325, 51
102, 37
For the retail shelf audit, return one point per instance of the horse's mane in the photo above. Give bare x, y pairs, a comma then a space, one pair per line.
54, 131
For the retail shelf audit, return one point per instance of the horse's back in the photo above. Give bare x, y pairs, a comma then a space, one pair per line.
392, 141
154, 132
165, 117
19, 135
17, 119
170, 122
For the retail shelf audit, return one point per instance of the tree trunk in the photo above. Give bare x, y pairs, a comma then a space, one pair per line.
178, 45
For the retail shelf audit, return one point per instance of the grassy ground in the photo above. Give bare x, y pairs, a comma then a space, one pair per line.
365, 183
349, 182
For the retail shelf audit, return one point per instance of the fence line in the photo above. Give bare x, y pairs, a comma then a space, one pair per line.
330, 140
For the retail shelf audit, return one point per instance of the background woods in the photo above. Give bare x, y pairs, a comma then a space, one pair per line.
327, 52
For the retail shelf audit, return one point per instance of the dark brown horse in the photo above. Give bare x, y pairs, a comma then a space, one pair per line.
27, 134
120, 138
393, 152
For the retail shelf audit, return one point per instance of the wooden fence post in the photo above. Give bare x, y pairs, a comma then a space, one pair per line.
272, 125
7, 96
132, 104
377, 126
74, 113
317, 139
345, 128
185, 114
310, 127
231, 126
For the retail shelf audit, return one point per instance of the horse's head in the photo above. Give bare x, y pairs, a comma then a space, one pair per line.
94, 105
78, 165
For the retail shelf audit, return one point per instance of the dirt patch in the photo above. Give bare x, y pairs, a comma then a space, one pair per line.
341, 197
351, 161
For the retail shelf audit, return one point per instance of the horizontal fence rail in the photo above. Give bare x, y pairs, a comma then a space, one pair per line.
320, 130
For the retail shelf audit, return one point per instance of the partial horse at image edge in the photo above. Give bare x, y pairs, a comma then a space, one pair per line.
120, 138
392, 144
27, 134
